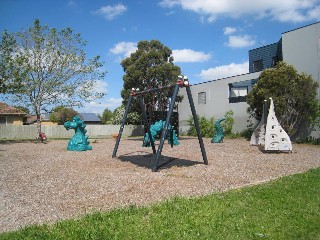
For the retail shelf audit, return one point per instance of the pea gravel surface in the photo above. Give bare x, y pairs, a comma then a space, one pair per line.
45, 183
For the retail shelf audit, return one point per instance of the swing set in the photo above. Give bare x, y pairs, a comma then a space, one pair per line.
182, 81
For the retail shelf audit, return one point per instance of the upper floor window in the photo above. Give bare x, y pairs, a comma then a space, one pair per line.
202, 98
257, 65
275, 60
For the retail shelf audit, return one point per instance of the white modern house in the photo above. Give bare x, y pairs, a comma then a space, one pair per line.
299, 47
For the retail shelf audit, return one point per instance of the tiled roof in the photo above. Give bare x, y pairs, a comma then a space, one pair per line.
89, 117
6, 109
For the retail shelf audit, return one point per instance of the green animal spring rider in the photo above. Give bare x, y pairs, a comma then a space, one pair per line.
79, 141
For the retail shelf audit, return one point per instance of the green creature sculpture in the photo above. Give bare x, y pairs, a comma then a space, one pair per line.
156, 130
79, 141
219, 133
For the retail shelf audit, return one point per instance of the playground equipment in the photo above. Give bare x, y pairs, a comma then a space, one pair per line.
156, 130
42, 137
182, 81
219, 133
79, 141
270, 133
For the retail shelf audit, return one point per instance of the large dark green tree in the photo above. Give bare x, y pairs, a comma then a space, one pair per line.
294, 95
106, 117
149, 67
62, 114
53, 68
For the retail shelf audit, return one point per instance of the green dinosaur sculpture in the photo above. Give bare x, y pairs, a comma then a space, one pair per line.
219, 133
79, 141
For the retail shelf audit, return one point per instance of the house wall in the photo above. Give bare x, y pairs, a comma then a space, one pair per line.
301, 48
11, 120
217, 102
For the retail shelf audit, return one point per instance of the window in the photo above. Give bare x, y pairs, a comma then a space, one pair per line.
237, 94
202, 98
238, 91
275, 60
3, 121
257, 65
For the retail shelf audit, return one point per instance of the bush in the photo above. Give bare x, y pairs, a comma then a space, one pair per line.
310, 140
205, 125
227, 124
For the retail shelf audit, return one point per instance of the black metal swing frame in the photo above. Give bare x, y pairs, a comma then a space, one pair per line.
181, 82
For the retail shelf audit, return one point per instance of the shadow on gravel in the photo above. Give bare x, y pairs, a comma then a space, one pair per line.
145, 159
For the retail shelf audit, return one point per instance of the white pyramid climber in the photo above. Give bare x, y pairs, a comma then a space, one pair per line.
271, 134
257, 137
276, 138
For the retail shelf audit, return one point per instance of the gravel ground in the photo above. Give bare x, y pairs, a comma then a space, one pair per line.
44, 183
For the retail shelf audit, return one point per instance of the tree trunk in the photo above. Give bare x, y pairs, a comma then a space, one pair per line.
38, 124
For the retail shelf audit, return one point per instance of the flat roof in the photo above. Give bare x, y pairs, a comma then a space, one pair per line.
301, 27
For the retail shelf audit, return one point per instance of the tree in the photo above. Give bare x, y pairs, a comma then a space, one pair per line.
294, 96
10, 76
106, 117
132, 117
62, 114
149, 67
53, 68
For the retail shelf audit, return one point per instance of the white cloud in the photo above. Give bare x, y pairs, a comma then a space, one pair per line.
110, 12
188, 55
124, 48
284, 11
240, 41
229, 30
224, 71
169, 3
101, 86
98, 107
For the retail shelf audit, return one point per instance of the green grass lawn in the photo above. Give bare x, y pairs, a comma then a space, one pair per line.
287, 208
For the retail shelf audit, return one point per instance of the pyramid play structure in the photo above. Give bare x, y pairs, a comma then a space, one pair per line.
270, 133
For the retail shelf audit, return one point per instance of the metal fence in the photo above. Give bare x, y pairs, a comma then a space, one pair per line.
58, 131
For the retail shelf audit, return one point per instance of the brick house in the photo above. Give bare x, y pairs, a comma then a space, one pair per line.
11, 116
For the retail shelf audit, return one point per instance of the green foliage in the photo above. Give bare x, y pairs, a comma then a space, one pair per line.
107, 116
227, 124
53, 65
246, 133
11, 77
310, 140
293, 107
149, 67
287, 208
205, 125
62, 114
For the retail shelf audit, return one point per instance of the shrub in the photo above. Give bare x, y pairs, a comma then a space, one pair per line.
227, 124
205, 125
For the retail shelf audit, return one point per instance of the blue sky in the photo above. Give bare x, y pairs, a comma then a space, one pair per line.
210, 39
